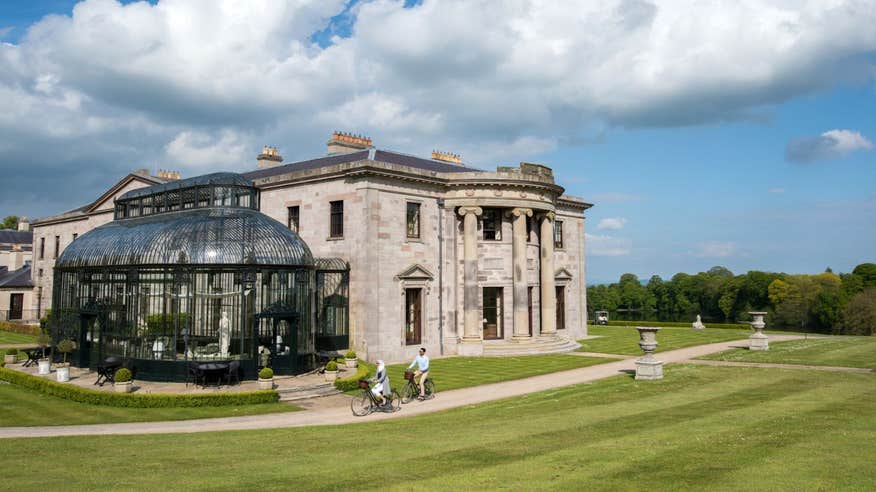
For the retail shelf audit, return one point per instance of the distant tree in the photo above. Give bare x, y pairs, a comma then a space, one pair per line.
852, 285
859, 315
828, 303
867, 272
10, 222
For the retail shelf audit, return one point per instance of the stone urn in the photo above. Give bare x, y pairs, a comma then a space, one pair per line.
648, 368
758, 340
351, 363
125, 387
331, 375
62, 372
266, 384
10, 358
44, 367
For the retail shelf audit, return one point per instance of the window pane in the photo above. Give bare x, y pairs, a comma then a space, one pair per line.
292, 220
558, 234
492, 225
413, 220
337, 219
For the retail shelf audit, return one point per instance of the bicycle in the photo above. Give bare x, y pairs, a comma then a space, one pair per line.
411, 390
366, 403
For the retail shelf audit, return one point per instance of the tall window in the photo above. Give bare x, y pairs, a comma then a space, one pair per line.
292, 218
558, 234
57, 246
413, 220
492, 312
337, 219
561, 307
413, 316
492, 224
42, 248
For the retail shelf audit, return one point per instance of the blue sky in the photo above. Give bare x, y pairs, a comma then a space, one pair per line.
702, 137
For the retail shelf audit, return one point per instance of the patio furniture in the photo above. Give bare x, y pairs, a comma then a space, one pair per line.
106, 372
33, 356
216, 370
193, 374
233, 372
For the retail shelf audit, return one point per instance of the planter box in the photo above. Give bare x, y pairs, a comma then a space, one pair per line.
10, 359
125, 387
331, 375
351, 363
45, 367
63, 374
266, 384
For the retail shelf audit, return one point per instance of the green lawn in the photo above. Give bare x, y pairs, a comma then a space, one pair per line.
833, 351
25, 407
9, 337
462, 372
701, 428
625, 341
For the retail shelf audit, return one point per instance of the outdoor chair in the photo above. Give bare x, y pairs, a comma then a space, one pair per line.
106, 371
193, 374
233, 372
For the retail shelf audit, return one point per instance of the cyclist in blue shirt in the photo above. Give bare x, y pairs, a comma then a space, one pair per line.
422, 363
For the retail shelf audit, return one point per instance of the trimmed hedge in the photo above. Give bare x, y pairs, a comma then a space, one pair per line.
364, 371
679, 324
134, 400
20, 328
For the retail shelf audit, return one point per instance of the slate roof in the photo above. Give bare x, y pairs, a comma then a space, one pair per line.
386, 156
220, 178
17, 278
9, 236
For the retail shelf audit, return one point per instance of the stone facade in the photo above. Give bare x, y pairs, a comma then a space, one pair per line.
447, 266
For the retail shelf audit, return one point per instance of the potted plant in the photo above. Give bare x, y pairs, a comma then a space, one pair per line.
331, 371
266, 379
350, 359
65, 346
11, 356
44, 364
123, 382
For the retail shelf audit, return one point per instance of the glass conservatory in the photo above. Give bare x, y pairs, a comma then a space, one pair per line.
189, 271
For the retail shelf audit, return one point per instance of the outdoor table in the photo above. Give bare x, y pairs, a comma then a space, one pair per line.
106, 372
33, 356
216, 369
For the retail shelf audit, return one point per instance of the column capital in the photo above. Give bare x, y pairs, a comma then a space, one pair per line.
517, 212
463, 211
547, 215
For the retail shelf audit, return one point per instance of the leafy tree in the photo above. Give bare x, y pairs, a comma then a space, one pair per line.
859, 315
867, 272
10, 222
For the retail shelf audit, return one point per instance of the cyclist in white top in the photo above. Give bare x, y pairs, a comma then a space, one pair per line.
422, 363
382, 387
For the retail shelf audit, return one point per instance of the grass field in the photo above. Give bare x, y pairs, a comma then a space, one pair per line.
833, 351
462, 372
625, 341
7, 337
25, 407
701, 428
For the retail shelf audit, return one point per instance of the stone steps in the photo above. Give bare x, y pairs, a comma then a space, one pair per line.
306, 392
536, 345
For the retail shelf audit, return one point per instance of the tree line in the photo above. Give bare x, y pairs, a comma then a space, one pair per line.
826, 302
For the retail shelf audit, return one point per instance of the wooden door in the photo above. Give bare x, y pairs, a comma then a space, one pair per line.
492, 313
16, 306
413, 317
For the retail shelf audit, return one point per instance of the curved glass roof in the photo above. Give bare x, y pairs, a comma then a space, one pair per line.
221, 179
211, 236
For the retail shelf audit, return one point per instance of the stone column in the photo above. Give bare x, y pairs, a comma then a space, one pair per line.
472, 333
518, 264
548, 292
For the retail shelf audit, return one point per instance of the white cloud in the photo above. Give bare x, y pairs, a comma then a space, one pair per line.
715, 249
612, 223
832, 144
6, 30
777, 190
603, 245
203, 152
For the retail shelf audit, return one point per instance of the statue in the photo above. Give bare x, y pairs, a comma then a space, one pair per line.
698, 324
224, 335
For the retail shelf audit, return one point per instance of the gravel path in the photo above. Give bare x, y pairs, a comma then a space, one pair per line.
341, 414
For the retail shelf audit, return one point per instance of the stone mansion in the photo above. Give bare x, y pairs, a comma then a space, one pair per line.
438, 254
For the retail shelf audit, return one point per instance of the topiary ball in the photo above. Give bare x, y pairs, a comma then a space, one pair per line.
351, 354
266, 373
331, 366
123, 375
12, 351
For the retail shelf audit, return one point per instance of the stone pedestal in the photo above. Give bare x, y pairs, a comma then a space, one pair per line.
758, 341
648, 368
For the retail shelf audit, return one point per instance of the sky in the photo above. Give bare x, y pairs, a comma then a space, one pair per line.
705, 133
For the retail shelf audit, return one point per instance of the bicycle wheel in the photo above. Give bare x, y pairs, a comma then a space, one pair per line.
429, 387
409, 392
361, 404
396, 401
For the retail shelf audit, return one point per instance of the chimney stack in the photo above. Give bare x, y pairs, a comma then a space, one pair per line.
16, 260
447, 157
168, 175
23, 224
269, 157
344, 143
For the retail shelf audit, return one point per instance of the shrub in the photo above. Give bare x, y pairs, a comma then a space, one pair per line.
266, 373
123, 375
44, 340
65, 346
350, 354
153, 400
339, 360
364, 371
12, 351
331, 366
20, 328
